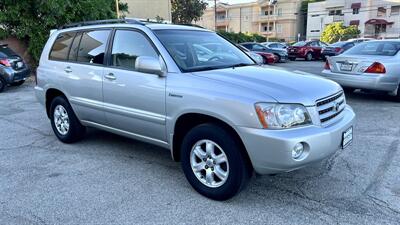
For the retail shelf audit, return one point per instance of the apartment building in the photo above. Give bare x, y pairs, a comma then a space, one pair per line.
374, 18
149, 9
281, 21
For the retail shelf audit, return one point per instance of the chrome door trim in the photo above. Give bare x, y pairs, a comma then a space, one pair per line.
127, 134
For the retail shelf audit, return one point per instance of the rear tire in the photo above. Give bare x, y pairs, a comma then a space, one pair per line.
19, 83
397, 96
3, 84
64, 122
202, 168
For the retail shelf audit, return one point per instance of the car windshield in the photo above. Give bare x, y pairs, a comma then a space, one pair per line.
201, 50
384, 48
300, 44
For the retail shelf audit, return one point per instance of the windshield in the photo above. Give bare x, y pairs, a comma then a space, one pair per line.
338, 44
300, 43
201, 50
384, 48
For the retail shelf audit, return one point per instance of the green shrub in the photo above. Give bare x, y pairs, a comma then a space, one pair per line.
242, 37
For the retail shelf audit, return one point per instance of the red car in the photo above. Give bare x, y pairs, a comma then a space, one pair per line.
269, 58
307, 50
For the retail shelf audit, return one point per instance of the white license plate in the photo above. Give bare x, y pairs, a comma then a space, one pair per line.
347, 137
346, 67
292, 50
19, 64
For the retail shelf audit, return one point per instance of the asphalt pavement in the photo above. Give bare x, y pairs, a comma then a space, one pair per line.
107, 179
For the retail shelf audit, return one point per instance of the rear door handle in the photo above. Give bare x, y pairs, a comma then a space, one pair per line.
68, 69
110, 76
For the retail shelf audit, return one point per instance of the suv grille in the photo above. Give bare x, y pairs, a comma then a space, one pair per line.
331, 107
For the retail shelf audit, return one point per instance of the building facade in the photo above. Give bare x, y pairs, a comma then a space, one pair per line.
280, 21
374, 18
149, 9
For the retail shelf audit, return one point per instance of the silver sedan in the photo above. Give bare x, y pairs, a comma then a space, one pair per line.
373, 65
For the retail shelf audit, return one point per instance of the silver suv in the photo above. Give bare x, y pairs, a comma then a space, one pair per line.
194, 93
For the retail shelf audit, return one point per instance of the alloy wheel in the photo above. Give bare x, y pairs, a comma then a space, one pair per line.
61, 120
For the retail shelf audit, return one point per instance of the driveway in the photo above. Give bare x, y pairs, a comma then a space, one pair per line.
107, 179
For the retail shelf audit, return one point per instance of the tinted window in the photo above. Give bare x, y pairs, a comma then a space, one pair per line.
258, 47
388, 48
300, 44
273, 46
74, 47
128, 45
6, 52
93, 46
248, 46
61, 46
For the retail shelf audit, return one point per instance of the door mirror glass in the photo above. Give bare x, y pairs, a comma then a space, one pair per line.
148, 64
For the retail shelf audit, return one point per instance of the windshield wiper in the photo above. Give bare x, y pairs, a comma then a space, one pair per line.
241, 65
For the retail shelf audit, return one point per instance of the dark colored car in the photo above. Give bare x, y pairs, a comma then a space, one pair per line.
307, 50
256, 47
337, 48
268, 58
13, 70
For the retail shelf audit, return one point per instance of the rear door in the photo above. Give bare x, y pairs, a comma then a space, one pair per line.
80, 58
134, 101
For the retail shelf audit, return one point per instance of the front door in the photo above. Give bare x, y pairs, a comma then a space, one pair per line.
134, 102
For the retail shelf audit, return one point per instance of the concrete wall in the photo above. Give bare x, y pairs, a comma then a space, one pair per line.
149, 9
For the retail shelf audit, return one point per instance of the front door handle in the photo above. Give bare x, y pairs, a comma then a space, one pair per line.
68, 69
110, 76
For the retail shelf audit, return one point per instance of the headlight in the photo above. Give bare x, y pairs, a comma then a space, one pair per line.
281, 116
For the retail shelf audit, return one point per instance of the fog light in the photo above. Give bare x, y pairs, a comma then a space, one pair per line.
297, 151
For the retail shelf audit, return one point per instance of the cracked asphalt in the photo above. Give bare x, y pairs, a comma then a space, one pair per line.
107, 179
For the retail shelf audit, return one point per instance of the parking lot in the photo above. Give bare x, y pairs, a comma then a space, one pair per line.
107, 179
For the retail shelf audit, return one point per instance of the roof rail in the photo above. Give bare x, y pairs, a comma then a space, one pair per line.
99, 22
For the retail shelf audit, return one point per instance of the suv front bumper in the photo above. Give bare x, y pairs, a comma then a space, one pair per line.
270, 151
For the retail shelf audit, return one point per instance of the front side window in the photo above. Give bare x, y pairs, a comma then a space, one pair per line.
93, 46
128, 46
61, 46
201, 50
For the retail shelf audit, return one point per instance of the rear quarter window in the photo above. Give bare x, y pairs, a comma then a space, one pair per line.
61, 46
376, 48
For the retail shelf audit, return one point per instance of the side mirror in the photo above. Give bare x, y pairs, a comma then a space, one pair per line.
151, 65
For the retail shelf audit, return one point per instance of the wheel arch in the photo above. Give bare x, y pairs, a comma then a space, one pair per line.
188, 120
51, 93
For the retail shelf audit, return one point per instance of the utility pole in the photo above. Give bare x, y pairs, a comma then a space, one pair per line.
117, 8
215, 15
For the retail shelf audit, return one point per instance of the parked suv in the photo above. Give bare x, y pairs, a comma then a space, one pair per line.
13, 70
223, 117
307, 50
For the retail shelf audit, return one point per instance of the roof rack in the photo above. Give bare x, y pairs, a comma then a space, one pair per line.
99, 22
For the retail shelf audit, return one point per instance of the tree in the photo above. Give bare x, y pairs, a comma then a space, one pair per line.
32, 20
186, 11
338, 32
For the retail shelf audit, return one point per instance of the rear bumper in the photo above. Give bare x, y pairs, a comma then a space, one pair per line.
270, 151
377, 82
12, 75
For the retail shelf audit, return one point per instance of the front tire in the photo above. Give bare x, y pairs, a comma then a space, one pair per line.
309, 56
213, 162
3, 84
279, 58
64, 122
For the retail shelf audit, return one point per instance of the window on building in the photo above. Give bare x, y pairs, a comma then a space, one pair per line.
313, 31
280, 12
395, 10
381, 12
335, 12
61, 46
268, 12
93, 47
128, 45
356, 11
279, 28
315, 15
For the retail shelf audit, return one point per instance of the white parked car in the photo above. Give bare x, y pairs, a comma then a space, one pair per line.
373, 65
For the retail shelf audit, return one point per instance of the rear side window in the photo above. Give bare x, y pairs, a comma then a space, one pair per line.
61, 46
93, 46
5, 52
127, 46
384, 48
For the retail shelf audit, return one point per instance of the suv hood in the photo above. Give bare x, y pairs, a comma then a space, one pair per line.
283, 86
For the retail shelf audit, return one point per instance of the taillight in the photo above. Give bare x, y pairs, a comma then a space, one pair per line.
338, 49
5, 62
376, 67
327, 66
